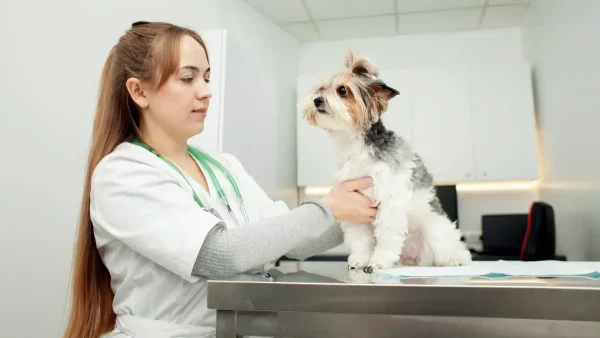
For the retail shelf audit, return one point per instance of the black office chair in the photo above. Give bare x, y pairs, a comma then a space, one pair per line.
525, 237
539, 242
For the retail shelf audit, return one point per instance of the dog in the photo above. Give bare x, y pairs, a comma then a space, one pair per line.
410, 228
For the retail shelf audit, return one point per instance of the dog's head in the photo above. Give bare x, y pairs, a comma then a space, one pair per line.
351, 101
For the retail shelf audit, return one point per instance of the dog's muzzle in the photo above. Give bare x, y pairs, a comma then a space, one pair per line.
319, 104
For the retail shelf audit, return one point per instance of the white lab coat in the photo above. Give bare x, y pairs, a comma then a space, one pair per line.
149, 230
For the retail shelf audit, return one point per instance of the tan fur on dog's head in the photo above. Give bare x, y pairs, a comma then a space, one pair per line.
351, 100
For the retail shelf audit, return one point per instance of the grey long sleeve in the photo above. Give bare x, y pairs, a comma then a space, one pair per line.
333, 237
227, 252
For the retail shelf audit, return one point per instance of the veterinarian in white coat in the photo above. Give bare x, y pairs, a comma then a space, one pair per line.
154, 225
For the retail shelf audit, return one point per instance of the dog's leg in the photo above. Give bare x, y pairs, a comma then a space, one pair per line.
442, 242
391, 228
359, 237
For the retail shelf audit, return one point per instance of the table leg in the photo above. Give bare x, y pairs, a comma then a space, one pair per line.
226, 324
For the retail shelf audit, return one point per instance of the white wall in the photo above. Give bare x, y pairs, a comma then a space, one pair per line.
260, 120
561, 40
52, 54
426, 49
431, 49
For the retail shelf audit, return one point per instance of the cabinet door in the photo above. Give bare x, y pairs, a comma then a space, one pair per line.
441, 122
212, 136
398, 117
504, 132
314, 147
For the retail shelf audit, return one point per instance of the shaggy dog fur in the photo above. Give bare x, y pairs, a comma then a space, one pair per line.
411, 228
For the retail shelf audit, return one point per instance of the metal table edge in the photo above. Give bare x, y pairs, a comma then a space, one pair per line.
578, 303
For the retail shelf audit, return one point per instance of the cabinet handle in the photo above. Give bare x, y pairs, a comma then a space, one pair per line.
485, 174
468, 174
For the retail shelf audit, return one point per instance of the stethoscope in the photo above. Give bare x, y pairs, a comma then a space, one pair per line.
205, 160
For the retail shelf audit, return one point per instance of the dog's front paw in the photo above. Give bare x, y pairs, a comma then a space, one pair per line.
353, 267
357, 262
372, 268
379, 262
356, 266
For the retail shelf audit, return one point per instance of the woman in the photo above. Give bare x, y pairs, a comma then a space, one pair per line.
153, 227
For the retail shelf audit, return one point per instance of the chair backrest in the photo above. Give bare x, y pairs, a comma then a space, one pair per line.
539, 242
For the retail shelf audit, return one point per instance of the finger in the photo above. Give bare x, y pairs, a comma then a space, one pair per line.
358, 184
373, 203
368, 212
368, 220
372, 212
364, 199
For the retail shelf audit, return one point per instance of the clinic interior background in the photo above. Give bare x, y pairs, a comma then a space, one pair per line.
53, 51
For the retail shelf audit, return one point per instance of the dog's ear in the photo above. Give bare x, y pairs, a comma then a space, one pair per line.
360, 66
380, 93
384, 91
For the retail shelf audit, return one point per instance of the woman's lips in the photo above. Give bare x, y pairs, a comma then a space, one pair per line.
201, 111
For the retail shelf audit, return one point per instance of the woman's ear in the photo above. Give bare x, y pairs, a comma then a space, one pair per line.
134, 87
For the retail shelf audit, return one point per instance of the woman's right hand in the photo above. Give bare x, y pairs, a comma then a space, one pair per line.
348, 204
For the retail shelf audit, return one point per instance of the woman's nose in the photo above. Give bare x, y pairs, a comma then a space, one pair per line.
203, 91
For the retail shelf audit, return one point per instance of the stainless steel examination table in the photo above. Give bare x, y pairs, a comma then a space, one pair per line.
302, 304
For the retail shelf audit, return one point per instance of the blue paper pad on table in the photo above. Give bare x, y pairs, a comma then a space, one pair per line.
501, 269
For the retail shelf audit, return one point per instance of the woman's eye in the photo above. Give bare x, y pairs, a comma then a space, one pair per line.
187, 79
342, 91
207, 80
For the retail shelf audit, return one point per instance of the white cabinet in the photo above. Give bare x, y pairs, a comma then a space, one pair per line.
468, 123
441, 122
503, 122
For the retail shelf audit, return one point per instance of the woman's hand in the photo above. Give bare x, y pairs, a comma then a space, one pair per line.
348, 204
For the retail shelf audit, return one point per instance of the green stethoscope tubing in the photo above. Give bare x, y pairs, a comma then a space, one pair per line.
205, 160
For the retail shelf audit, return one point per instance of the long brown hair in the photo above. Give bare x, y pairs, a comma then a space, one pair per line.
150, 52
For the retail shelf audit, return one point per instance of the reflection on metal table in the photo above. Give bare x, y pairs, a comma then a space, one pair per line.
302, 304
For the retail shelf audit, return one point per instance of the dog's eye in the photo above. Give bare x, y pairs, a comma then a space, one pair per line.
342, 91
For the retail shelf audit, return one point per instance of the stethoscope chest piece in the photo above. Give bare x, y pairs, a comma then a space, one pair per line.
215, 213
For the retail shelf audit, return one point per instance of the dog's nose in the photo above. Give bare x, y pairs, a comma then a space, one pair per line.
318, 102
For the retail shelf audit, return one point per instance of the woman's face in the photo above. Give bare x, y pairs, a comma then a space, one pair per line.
179, 107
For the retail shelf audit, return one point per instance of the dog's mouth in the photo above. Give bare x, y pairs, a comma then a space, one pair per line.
321, 110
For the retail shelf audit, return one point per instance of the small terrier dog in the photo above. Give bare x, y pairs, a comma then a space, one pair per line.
411, 227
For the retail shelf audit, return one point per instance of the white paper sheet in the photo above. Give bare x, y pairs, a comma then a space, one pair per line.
501, 269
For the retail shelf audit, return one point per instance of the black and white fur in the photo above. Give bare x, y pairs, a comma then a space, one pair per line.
411, 227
